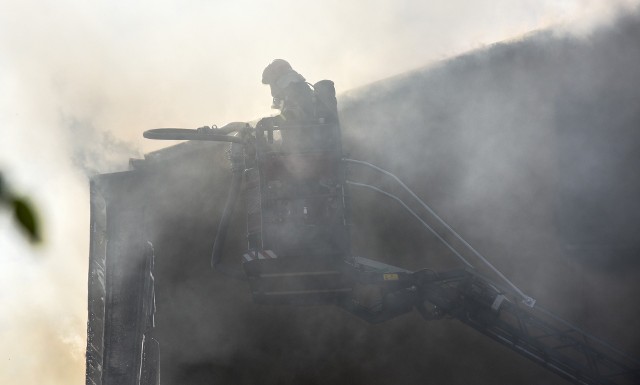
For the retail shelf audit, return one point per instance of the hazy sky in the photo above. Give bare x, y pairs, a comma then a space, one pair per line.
80, 81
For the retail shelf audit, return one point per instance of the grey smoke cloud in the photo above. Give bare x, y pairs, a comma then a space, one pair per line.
528, 149
98, 152
80, 83
482, 138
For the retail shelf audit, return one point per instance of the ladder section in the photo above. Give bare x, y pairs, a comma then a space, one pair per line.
534, 333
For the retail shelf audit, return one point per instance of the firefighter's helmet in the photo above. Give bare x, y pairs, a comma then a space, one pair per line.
275, 71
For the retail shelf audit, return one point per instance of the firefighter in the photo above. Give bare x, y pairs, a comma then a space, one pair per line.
292, 95
300, 105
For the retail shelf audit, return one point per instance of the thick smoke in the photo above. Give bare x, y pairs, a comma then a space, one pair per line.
511, 144
528, 149
98, 152
80, 82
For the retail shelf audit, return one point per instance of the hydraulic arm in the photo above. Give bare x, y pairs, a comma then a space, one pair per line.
531, 332
481, 304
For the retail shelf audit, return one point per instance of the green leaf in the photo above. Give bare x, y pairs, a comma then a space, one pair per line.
26, 217
2, 195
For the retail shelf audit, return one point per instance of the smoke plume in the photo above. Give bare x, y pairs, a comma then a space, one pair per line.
474, 134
